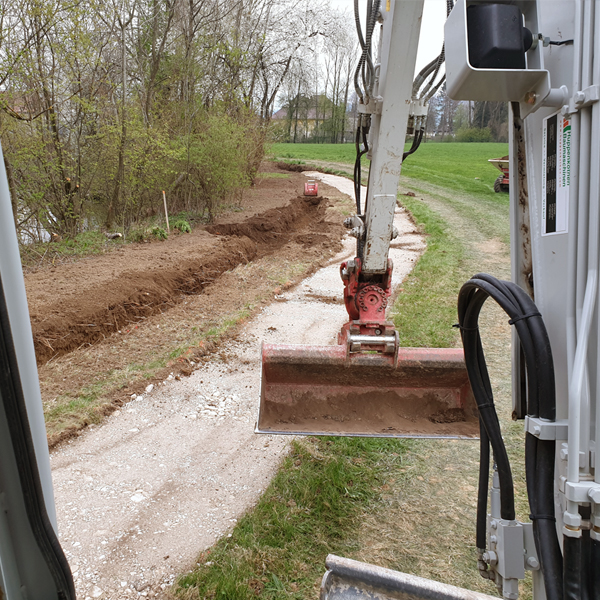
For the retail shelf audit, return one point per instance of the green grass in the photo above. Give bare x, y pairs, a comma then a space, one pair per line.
426, 309
461, 167
310, 509
344, 153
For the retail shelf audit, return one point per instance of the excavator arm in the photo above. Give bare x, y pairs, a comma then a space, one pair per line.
367, 385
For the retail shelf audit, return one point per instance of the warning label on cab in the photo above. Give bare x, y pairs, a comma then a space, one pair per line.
556, 174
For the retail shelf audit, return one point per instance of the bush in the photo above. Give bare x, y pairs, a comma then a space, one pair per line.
473, 134
159, 233
182, 225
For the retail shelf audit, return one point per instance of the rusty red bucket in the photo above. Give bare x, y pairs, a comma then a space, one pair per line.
327, 390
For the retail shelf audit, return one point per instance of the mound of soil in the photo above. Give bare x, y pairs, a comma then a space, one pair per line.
273, 227
79, 304
294, 167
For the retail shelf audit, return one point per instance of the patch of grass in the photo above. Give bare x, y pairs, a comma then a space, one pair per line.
310, 509
82, 407
455, 166
426, 309
488, 213
345, 153
291, 271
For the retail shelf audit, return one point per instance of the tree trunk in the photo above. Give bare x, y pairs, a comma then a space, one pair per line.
12, 188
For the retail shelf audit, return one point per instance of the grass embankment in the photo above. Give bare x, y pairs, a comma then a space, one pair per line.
411, 503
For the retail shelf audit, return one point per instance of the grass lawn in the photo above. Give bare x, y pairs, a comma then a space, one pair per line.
460, 167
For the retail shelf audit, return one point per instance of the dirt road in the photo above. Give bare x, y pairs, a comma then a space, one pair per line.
139, 496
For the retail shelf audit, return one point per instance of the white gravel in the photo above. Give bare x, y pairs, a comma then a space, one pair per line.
139, 497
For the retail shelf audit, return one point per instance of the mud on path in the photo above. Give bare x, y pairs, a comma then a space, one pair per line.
106, 327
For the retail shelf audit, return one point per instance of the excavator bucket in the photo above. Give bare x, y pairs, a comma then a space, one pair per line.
328, 390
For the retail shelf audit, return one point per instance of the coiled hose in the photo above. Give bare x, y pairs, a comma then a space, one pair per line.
541, 402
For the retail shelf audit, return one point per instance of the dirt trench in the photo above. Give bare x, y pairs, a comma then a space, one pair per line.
146, 279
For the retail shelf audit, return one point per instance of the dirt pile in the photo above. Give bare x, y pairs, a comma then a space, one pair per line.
85, 302
274, 227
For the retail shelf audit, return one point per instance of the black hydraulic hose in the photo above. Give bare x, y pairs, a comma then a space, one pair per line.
434, 90
528, 323
360, 132
422, 75
356, 178
540, 454
415, 145
544, 523
482, 493
595, 572
372, 14
544, 365
438, 66
480, 383
586, 554
361, 40
362, 46
572, 568
365, 56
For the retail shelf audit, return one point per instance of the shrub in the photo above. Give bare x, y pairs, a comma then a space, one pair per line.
182, 225
159, 233
473, 134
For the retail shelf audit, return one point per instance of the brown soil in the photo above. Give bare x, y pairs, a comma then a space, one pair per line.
95, 318
94, 298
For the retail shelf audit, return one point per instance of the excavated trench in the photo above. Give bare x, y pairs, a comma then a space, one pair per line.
146, 279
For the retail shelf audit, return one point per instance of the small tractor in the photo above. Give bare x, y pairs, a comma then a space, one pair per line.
501, 183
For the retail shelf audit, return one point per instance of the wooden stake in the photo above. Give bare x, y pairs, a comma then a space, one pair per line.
166, 213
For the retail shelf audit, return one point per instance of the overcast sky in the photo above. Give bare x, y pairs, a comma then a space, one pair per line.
432, 28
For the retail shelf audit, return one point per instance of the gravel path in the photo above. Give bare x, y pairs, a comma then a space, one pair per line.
163, 478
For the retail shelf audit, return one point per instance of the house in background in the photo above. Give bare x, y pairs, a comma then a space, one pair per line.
314, 119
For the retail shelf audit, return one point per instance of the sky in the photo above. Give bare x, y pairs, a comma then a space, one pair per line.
432, 28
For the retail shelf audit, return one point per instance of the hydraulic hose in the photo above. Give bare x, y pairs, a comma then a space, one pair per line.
482, 492
595, 572
433, 90
541, 402
471, 301
423, 74
440, 62
415, 145
361, 40
372, 12
572, 568
361, 132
